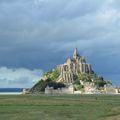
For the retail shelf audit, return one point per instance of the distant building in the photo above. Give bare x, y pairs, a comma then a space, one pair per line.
110, 89
89, 87
72, 67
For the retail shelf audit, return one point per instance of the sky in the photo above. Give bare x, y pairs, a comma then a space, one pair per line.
36, 35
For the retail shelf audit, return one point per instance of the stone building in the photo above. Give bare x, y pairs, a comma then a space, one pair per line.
89, 87
109, 89
73, 66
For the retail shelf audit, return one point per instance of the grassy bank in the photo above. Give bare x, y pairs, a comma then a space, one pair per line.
65, 107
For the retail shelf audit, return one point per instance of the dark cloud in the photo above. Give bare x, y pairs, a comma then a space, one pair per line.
43, 33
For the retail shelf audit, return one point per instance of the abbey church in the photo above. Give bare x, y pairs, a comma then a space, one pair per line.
73, 66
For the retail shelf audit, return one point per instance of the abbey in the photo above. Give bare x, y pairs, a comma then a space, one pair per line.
73, 66
75, 76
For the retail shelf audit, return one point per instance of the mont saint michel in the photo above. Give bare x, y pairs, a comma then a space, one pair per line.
75, 76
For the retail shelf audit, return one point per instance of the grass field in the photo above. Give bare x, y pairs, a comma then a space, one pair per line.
65, 107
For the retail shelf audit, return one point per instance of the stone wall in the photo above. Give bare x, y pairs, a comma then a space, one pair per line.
66, 90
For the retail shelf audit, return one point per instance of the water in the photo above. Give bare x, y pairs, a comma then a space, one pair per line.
10, 91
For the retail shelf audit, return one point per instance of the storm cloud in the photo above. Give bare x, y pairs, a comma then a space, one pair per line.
39, 34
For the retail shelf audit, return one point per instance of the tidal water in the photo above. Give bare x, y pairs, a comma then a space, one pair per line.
10, 91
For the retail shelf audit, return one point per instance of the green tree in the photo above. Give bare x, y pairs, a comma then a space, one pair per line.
55, 74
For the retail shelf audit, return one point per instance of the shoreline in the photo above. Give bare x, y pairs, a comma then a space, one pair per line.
10, 93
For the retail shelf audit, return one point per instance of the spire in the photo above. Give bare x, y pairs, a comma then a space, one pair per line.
75, 54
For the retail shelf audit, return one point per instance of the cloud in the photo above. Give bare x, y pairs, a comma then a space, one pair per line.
43, 33
19, 77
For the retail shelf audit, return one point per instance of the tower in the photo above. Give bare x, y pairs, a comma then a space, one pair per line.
75, 54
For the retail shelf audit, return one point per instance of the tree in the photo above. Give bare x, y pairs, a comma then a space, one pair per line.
53, 74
